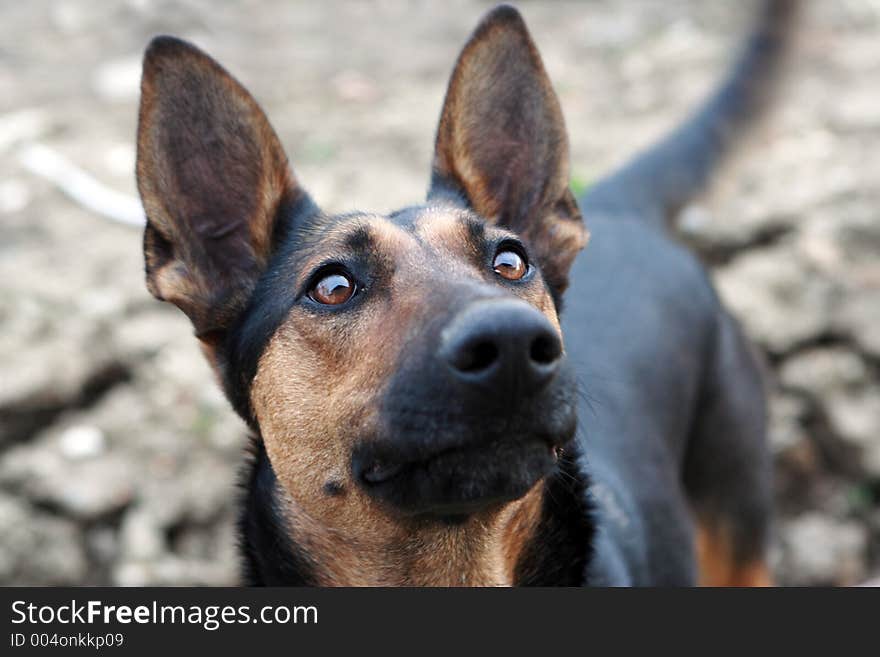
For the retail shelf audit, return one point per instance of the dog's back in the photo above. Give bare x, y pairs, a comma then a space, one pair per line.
672, 413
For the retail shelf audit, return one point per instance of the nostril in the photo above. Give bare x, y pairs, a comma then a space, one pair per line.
545, 349
477, 357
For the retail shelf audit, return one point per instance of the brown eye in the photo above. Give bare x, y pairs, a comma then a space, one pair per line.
510, 265
332, 289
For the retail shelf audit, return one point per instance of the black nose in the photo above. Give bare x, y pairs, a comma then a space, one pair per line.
508, 345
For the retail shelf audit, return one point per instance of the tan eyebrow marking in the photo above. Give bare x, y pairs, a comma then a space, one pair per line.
374, 233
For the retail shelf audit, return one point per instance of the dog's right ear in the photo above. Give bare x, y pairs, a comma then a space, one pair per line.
215, 184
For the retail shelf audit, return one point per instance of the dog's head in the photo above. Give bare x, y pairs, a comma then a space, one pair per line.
397, 367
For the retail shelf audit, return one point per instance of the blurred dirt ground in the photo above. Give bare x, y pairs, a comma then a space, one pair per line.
118, 455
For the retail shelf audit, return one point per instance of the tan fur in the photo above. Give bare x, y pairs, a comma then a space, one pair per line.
443, 230
480, 552
718, 565
317, 392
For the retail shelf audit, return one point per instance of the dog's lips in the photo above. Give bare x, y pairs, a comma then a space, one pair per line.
459, 461
379, 471
462, 479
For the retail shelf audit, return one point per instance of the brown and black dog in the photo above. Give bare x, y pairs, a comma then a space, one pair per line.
416, 418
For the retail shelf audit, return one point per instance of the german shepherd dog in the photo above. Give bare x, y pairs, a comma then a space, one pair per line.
417, 419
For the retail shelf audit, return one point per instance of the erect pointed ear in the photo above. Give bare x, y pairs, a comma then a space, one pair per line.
502, 144
215, 185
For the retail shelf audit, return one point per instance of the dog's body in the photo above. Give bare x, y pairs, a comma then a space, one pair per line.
415, 414
671, 351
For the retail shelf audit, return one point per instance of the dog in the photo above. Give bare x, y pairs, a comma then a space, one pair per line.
417, 417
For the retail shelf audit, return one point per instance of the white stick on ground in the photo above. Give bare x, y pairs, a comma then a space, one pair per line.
81, 186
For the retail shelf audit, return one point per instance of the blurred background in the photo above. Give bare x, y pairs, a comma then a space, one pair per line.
118, 454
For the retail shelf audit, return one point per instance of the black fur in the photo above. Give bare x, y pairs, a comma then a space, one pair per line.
268, 553
560, 552
269, 304
660, 181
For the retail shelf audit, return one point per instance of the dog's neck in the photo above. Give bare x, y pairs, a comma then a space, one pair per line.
481, 550
543, 538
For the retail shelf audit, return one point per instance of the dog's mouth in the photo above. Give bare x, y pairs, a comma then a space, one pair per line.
436, 451
456, 481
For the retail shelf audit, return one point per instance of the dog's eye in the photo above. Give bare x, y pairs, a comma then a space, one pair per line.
510, 265
332, 289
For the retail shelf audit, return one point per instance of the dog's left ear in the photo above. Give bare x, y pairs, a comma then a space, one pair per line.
502, 144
